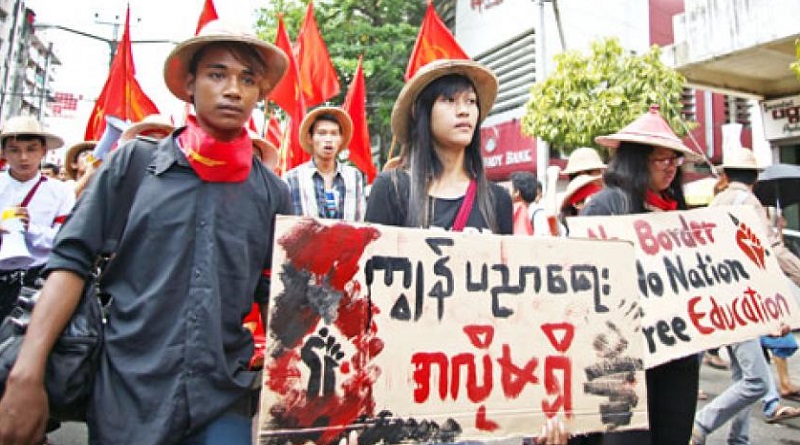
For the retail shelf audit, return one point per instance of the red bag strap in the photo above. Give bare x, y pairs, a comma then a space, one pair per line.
466, 207
32, 191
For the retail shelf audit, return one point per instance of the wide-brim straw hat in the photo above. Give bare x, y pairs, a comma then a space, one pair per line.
29, 125
578, 183
484, 81
153, 122
176, 67
740, 158
72, 156
583, 159
651, 129
265, 150
341, 116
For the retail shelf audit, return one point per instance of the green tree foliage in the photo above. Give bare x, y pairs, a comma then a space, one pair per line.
796, 64
599, 93
382, 30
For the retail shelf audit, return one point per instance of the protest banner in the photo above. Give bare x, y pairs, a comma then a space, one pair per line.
707, 277
423, 336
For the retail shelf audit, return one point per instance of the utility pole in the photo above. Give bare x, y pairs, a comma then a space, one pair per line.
542, 147
9, 61
45, 82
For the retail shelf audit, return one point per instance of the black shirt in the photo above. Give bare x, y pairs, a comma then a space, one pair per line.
388, 205
186, 272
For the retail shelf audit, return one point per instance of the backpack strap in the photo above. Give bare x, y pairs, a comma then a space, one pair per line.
141, 154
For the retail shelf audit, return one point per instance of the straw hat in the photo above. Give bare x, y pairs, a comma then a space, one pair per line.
740, 158
341, 116
29, 125
153, 122
265, 150
176, 67
484, 81
72, 156
583, 159
651, 129
579, 186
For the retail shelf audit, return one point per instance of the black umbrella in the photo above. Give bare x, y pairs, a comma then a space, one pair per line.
779, 185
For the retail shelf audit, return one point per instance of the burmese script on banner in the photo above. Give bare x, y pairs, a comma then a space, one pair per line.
707, 277
423, 336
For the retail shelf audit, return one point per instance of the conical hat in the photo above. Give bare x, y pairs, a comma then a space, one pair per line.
650, 129
29, 125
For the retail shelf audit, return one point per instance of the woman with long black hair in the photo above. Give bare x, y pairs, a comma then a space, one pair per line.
441, 180
644, 175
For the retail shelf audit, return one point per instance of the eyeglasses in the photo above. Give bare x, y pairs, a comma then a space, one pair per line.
671, 161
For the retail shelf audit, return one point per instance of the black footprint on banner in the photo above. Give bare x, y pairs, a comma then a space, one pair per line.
322, 354
614, 377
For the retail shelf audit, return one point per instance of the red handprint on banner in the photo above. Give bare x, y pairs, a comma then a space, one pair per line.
749, 243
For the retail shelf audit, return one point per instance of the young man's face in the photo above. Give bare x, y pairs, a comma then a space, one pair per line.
49, 172
327, 139
225, 92
24, 157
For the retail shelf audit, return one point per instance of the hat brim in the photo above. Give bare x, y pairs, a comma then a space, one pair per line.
51, 141
484, 81
72, 156
176, 67
143, 127
341, 116
612, 142
266, 152
576, 184
739, 166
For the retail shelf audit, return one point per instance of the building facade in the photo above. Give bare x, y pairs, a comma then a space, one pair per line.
28, 63
518, 39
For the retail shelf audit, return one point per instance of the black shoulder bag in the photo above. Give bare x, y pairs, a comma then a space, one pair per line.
74, 359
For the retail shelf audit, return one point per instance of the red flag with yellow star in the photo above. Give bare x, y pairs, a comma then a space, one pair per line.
434, 41
121, 97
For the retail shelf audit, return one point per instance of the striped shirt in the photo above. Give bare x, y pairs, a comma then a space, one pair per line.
307, 187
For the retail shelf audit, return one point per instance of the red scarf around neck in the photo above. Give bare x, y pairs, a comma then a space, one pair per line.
213, 160
660, 201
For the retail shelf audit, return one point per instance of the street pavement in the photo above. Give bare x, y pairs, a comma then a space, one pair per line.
712, 381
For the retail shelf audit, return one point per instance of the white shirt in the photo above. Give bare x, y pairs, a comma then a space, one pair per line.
47, 210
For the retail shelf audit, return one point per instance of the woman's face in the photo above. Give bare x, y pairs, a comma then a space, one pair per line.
454, 119
663, 164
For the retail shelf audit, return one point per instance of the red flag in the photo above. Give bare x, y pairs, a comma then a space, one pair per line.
288, 96
434, 41
121, 97
355, 103
318, 78
273, 133
208, 14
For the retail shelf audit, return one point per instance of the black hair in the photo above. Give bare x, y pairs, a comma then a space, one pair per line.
324, 117
423, 162
526, 184
628, 171
25, 138
744, 175
49, 165
245, 54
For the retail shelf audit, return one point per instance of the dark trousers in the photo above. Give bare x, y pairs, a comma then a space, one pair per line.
671, 403
11, 283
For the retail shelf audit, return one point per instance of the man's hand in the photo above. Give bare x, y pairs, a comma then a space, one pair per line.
14, 213
23, 413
